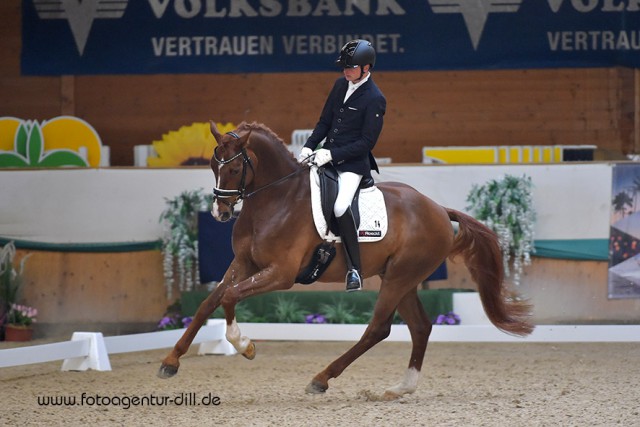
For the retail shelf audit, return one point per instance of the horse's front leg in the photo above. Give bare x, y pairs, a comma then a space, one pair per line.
243, 345
269, 279
171, 362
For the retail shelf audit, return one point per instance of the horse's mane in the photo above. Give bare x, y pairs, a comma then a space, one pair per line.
260, 127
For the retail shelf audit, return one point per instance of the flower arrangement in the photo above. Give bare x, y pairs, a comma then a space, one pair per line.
315, 318
180, 240
10, 280
506, 206
22, 315
448, 319
175, 321
289, 311
304, 307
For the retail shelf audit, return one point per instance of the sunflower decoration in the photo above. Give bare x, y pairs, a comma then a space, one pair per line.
188, 146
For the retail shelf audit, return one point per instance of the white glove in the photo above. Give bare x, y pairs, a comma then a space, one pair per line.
304, 154
323, 156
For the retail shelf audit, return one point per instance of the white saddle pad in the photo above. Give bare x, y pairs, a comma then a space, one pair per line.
373, 213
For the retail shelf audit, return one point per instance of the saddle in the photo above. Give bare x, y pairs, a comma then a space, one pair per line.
328, 176
324, 194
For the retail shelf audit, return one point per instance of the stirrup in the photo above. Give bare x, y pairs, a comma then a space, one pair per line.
353, 280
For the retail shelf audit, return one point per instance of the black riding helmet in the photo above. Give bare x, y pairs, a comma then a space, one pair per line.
357, 53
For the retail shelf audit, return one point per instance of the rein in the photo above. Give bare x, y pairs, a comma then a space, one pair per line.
241, 193
276, 182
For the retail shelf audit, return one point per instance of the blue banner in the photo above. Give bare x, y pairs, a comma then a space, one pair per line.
245, 36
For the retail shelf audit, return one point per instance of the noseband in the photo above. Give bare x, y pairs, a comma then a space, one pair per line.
219, 193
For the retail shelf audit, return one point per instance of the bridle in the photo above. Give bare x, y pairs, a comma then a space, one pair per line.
241, 192
219, 193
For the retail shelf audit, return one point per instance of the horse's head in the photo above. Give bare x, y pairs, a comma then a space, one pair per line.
233, 166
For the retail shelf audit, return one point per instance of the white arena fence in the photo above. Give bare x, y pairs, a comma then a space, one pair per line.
90, 350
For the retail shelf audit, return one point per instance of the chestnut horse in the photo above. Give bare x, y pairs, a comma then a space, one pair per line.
274, 238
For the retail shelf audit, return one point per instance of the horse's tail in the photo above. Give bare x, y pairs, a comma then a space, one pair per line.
480, 248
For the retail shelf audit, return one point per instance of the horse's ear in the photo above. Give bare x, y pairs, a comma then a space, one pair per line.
214, 131
244, 139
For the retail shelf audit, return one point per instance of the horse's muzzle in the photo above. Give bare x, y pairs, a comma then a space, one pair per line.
224, 217
219, 216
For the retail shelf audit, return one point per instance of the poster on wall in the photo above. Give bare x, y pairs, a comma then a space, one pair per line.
624, 238
260, 36
63, 141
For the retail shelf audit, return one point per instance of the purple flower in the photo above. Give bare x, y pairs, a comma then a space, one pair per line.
22, 314
186, 321
315, 318
165, 322
448, 319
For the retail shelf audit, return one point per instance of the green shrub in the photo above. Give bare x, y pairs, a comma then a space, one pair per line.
287, 310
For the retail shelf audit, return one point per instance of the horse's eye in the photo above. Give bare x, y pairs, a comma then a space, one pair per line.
234, 171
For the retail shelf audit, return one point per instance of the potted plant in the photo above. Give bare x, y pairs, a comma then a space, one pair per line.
20, 320
505, 205
13, 315
180, 240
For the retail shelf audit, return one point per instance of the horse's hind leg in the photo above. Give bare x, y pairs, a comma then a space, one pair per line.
378, 329
412, 312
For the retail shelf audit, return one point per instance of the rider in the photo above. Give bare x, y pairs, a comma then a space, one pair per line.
351, 121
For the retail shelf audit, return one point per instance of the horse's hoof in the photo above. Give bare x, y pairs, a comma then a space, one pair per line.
390, 395
315, 387
250, 352
167, 371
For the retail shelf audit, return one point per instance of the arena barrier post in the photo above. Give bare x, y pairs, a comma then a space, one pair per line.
97, 359
221, 346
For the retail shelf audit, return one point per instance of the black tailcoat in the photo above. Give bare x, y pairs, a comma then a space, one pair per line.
351, 128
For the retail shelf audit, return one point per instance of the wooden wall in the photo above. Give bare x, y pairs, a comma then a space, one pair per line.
124, 292
496, 107
109, 292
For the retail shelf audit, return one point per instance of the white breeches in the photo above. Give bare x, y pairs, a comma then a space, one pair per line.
348, 183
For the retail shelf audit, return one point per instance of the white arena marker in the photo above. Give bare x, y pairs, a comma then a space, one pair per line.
221, 346
97, 359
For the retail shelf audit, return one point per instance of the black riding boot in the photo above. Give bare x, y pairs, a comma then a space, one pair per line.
349, 235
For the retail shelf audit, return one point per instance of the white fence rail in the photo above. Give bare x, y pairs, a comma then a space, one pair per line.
443, 333
90, 350
43, 353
